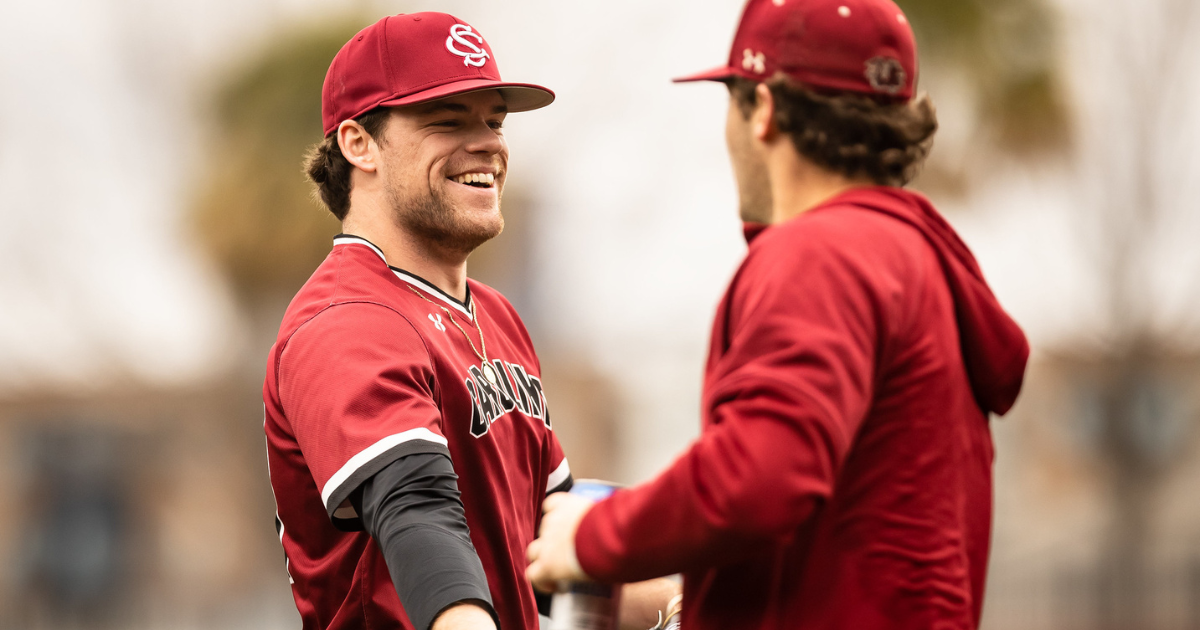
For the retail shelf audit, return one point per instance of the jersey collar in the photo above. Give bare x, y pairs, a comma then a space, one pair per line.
412, 279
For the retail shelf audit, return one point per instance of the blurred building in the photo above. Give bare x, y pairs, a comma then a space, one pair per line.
136, 507
1057, 557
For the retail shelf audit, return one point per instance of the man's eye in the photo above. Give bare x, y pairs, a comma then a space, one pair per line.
496, 124
446, 123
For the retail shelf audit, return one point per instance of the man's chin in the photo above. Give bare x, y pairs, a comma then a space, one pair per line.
467, 241
755, 214
463, 235
754, 205
454, 223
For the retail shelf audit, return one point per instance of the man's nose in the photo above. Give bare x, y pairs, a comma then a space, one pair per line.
484, 139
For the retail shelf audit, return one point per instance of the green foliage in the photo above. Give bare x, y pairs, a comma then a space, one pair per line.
1008, 51
255, 213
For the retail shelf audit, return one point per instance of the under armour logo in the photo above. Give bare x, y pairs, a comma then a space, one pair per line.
755, 62
437, 322
472, 52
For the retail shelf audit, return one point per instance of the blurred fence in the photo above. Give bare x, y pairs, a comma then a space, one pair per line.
1086, 598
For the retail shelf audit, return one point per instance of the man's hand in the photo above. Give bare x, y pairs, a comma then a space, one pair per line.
464, 615
552, 556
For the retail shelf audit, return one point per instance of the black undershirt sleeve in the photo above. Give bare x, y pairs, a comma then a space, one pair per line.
413, 510
544, 599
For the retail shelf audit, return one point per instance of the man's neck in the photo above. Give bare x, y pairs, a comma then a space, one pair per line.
798, 185
443, 270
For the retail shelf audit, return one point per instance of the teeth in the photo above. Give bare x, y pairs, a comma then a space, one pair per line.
476, 178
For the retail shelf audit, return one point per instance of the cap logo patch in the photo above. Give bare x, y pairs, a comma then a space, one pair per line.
752, 62
886, 75
459, 43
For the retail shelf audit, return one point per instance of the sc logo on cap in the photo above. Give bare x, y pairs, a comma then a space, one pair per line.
885, 75
472, 52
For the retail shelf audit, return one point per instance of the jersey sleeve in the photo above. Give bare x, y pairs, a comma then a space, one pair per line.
559, 479
357, 386
792, 387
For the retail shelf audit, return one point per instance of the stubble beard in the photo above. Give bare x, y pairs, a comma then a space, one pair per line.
753, 185
754, 202
754, 192
436, 221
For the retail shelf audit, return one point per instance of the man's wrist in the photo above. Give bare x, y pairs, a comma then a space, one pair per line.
573, 556
552, 556
470, 614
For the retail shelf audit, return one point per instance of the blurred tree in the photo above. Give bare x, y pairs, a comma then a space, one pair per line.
1138, 190
1002, 57
1007, 50
255, 212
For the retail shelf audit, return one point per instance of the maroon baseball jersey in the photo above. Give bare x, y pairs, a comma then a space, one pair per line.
369, 366
843, 476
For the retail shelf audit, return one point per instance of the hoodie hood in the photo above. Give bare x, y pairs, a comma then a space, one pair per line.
994, 348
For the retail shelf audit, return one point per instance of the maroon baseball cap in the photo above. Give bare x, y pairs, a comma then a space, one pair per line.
413, 58
863, 46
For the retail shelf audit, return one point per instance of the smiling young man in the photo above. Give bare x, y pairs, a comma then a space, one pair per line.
842, 479
408, 436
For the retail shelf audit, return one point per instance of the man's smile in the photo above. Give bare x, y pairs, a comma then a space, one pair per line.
478, 179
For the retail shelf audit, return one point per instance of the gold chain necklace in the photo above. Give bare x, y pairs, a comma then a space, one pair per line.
488, 371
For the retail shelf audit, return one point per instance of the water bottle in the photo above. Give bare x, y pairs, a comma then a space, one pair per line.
586, 605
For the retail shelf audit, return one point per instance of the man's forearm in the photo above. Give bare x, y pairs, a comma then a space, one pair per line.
643, 602
715, 504
413, 511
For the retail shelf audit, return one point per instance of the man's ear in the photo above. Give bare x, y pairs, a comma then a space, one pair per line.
357, 145
762, 119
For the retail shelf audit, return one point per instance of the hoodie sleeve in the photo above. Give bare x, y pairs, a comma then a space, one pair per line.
800, 330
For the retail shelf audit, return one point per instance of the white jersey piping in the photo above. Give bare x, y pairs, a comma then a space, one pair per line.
559, 475
365, 456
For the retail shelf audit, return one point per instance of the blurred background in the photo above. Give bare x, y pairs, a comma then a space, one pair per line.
156, 223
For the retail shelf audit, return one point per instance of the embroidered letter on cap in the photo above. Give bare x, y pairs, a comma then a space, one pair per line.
474, 55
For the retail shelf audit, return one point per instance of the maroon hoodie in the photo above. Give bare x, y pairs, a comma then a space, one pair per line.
843, 474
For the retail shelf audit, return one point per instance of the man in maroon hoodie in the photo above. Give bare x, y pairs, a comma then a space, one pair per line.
843, 476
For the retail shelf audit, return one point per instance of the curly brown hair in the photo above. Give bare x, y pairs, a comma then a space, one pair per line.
326, 167
855, 135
